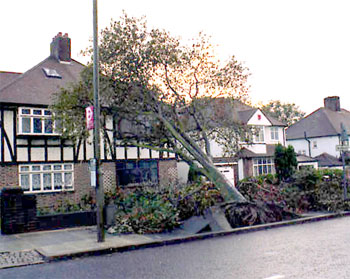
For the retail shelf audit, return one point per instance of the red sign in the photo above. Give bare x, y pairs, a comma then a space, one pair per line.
89, 114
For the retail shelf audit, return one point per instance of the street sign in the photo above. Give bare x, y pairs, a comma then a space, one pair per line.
342, 147
89, 114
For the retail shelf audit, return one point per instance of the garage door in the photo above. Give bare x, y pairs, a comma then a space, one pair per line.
228, 172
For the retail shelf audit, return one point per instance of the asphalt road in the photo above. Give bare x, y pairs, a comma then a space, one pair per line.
313, 250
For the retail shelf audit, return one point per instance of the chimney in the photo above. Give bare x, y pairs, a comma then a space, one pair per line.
332, 103
60, 47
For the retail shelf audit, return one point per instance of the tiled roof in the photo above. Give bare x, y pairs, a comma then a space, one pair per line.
322, 122
7, 77
305, 159
35, 88
327, 160
246, 153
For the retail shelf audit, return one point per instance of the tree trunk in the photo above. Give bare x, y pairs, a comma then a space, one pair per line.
228, 191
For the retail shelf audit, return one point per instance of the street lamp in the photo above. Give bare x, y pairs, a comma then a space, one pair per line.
98, 176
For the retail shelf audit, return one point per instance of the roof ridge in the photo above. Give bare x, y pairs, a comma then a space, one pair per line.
330, 122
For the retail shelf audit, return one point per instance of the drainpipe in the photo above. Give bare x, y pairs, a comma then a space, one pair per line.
309, 143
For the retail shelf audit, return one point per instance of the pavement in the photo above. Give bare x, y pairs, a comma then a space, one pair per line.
45, 246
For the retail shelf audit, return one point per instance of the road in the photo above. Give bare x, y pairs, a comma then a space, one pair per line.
314, 250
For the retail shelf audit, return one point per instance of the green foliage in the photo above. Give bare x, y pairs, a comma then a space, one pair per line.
285, 161
306, 190
146, 210
150, 84
284, 112
86, 203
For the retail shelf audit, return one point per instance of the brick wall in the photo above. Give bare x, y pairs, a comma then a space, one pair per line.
167, 172
248, 167
81, 188
8, 176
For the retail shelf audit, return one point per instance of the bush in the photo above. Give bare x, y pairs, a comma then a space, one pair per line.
146, 210
306, 190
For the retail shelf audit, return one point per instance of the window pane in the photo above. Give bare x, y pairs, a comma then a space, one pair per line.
37, 111
25, 125
57, 167
68, 167
68, 179
37, 125
47, 167
47, 181
57, 181
25, 168
35, 168
48, 126
47, 112
25, 182
36, 182
25, 111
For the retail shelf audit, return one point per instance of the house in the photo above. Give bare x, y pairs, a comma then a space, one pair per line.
36, 158
254, 158
306, 162
328, 161
320, 132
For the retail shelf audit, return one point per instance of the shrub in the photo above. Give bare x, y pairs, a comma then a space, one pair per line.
147, 210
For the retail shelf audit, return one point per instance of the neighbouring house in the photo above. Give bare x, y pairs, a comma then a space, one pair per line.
328, 161
253, 159
37, 159
320, 132
306, 162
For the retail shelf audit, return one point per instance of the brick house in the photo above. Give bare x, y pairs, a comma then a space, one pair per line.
34, 157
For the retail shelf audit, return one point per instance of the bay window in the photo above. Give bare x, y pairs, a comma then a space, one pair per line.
264, 165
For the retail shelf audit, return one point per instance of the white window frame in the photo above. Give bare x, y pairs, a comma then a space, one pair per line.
263, 165
33, 115
274, 133
259, 134
28, 172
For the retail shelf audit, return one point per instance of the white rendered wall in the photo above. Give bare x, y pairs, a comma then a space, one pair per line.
324, 145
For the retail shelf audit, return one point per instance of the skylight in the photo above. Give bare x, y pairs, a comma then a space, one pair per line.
51, 73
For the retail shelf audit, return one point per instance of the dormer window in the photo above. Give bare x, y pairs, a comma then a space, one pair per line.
51, 73
35, 121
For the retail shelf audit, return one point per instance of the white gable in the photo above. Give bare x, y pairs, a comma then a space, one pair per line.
259, 119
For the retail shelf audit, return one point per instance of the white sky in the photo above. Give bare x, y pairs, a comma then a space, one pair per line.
298, 51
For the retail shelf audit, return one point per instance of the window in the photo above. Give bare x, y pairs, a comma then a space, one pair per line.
258, 133
263, 166
51, 73
136, 172
274, 133
46, 178
35, 121
314, 144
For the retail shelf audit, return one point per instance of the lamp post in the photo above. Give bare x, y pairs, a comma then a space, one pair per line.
98, 176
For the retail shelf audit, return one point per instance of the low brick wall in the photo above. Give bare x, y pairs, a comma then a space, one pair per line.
19, 214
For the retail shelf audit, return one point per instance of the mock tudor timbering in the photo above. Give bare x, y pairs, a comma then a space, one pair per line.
37, 159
